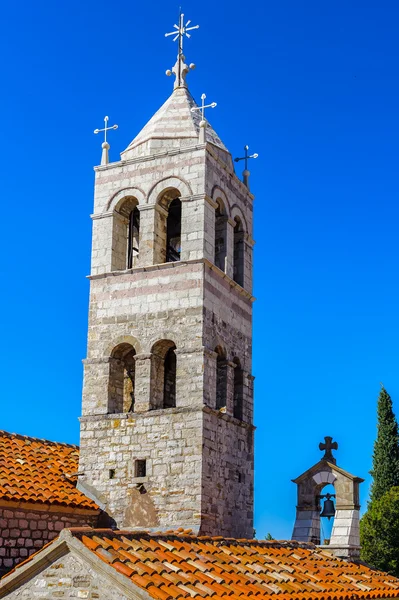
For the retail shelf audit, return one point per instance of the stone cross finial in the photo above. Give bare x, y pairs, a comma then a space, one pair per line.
328, 446
105, 146
180, 69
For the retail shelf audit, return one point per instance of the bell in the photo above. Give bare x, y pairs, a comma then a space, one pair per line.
329, 508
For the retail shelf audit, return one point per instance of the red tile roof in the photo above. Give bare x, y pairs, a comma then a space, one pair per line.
33, 470
180, 565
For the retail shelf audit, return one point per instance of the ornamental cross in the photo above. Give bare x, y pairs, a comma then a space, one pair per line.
203, 107
105, 146
181, 31
180, 69
328, 446
246, 157
105, 129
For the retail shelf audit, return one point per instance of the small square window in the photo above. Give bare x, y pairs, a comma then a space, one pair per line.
140, 468
111, 473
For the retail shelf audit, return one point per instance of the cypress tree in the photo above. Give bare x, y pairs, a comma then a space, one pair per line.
385, 470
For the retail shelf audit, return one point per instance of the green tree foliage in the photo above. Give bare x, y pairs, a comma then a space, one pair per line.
385, 470
379, 533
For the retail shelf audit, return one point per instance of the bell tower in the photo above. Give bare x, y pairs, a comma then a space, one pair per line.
167, 411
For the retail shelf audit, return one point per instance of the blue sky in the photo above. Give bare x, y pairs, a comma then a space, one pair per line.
313, 88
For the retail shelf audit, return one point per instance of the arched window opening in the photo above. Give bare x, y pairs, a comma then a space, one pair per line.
173, 231
169, 386
220, 236
122, 379
221, 378
238, 390
133, 238
163, 375
326, 503
125, 235
238, 273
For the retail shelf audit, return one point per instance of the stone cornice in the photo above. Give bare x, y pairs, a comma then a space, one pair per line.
175, 265
227, 417
150, 157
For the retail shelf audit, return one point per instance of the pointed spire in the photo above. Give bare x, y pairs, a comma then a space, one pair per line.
180, 69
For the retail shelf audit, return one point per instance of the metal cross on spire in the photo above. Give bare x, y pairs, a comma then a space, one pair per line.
203, 106
328, 446
202, 136
246, 158
181, 30
180, 69
105, 146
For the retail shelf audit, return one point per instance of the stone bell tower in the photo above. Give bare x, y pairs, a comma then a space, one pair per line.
166, 426
345, 537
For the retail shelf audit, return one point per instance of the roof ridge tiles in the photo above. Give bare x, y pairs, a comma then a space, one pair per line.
21, 436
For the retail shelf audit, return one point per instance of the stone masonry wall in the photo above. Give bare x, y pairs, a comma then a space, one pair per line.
170, 441
68, 578
228, 451
23, 532
228, 456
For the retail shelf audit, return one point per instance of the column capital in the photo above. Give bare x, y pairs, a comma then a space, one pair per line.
156, 206
211, 201
143, 356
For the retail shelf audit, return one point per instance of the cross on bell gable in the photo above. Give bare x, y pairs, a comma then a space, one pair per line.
328, 446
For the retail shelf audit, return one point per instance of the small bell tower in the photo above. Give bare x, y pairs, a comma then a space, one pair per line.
167, 410
345, 538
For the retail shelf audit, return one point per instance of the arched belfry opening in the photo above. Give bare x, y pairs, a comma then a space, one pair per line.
220, 236
133, 240
163, 375
326, 507
327, 492
173, 231
126, 235
168, 222
238, 390
221, 377
239, 254
122, 376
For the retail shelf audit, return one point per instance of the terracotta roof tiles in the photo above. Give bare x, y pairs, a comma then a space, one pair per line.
39, 471
181, 565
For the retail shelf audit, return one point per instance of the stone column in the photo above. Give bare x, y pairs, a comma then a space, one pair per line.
142, 384
248, 252
307, 525
248, 400
95, 387
192, 228
209, 229
210, 377
190, 377
120, 226
346, 532
230, 366
146, 235
101, 253
230, 248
